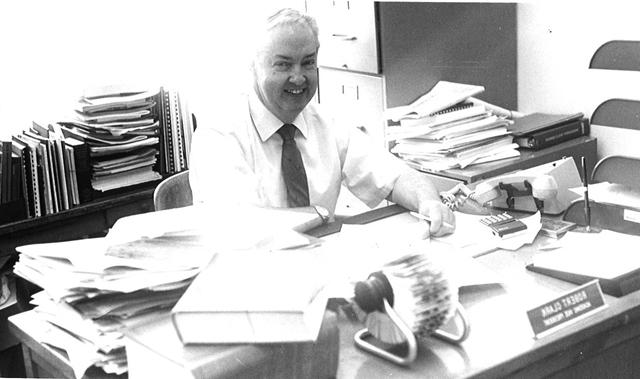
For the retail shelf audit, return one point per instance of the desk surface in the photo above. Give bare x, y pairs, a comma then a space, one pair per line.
501, 342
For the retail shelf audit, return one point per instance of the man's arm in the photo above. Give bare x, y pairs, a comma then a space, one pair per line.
414, 191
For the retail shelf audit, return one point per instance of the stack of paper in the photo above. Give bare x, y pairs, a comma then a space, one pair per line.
93, 290
122, 131
455, 134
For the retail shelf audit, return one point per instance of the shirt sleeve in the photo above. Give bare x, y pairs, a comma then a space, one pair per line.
369, 171
219, 174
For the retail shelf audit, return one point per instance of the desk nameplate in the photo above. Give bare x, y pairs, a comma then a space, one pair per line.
566, 309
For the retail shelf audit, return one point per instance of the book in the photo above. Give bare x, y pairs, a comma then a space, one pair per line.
254, 297
5, 171
605, 256
36, 177
443, 95
533, 122
554, 135
20, 148
82, 163
555, 228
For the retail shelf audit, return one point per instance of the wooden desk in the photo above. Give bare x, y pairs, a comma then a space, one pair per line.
42, 361
501, 343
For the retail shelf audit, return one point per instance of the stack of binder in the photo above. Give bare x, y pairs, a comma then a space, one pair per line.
455, 134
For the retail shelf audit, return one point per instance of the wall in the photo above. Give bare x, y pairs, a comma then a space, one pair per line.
51, 50
556, 40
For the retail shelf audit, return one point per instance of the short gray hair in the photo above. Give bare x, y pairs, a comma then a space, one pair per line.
288, 16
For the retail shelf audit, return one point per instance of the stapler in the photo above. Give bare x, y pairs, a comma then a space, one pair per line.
543, 188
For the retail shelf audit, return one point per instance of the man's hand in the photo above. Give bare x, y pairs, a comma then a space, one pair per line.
442, 218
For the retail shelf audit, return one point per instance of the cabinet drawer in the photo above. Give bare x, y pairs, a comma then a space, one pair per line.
354, 99
347, 34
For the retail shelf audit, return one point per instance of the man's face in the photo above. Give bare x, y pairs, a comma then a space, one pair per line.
285, 71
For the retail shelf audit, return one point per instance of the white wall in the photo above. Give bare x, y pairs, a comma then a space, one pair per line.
556, 40
51, 50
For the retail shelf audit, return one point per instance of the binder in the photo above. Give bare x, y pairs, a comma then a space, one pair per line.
81, 160
35, 174
535, 122
5, 171
46, 170
554, 135
22, 150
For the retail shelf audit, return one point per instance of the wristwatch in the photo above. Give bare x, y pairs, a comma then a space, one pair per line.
322, 212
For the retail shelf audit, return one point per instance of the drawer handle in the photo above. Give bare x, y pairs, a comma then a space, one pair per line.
344, 37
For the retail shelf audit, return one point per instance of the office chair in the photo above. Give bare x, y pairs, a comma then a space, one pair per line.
173, 192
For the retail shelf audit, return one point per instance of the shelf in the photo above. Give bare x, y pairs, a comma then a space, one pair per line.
617, 55
90, 219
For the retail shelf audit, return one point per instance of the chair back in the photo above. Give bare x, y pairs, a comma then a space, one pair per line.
619, 169
173, 192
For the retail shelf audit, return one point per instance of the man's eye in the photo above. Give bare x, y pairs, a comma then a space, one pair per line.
282, 65
310, 63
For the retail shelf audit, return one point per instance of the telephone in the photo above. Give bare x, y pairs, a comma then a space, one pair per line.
544, 188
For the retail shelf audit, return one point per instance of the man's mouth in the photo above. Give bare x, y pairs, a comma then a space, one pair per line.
295, 91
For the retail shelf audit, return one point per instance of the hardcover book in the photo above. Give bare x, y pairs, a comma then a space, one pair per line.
254, 297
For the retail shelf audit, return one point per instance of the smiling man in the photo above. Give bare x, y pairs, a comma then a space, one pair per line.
275, 148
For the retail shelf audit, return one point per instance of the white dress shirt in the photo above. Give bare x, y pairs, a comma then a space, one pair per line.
237, 161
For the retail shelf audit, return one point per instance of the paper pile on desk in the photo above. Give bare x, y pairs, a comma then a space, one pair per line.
95, 288
447, 128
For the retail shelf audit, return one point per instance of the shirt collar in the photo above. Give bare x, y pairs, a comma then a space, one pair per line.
266, 123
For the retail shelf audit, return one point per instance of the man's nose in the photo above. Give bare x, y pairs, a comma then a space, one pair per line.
297, 76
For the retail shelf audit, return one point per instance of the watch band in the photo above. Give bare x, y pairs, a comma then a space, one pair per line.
322, 212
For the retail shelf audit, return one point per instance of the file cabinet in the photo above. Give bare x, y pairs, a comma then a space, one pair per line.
375, 55
410, 46
354, 99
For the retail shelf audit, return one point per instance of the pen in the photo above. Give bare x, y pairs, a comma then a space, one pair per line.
425, 218
585, 184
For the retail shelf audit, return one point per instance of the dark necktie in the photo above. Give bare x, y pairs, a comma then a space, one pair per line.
295, 177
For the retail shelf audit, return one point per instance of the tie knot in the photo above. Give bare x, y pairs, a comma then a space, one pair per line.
287, 132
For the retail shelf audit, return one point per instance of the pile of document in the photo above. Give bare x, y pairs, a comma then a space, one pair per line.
447, 128
94, 289
121, 129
